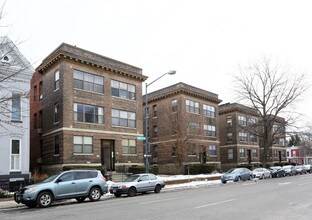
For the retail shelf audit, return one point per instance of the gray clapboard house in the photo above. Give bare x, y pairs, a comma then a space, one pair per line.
15, 76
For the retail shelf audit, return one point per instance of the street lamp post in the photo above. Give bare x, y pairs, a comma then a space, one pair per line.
147, 149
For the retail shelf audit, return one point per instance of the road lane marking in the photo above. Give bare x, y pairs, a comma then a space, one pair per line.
302, 184
162, 200
215, 203
247, 184
286, 183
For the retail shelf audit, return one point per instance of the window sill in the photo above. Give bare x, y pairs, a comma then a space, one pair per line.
56, 155
82, 90
191, 155
115, 126
130, 155
131, 100
16, 121
82, 154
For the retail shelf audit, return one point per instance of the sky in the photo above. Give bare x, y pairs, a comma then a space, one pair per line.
205, 41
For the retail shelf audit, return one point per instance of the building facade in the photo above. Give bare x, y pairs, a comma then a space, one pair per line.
15, 75
183, 127
91, 111
238, 145
240, 139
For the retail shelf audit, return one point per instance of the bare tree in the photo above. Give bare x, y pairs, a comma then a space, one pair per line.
179, 129
271, 90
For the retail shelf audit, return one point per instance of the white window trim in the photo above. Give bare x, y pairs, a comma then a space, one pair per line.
20, 155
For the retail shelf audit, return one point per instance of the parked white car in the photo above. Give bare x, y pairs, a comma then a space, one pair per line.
261, 173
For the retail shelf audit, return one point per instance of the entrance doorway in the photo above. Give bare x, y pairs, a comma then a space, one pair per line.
249, 156
280, 156
108, 154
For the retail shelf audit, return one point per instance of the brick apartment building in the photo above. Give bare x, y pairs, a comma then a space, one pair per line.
183, 123
35, 96
91, 109
238, 143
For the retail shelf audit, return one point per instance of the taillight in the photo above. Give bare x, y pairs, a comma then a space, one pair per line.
103, 178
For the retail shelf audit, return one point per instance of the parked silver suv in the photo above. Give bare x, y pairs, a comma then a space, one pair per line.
78, 184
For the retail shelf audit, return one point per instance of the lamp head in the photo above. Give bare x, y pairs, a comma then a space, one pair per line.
171, 72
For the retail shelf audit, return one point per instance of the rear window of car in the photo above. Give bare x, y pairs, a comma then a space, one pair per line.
93, 174
82, 175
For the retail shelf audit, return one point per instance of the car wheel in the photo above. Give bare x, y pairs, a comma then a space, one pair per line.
263, 177
44, 199
117, 194
95, 194
31, 204
239, 179
132, 191
157, 188
224, 182
270, 175
81, 199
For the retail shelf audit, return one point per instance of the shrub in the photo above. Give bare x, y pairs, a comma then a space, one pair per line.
141, 169
199, 168
4, 193
38, 177
249, 166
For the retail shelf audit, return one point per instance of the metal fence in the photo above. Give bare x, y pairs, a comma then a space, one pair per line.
13, 186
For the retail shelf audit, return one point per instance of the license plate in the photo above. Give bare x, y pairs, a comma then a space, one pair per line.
114, 190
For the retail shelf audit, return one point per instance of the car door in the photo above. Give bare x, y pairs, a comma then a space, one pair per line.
65, 185
143, 183
83, 182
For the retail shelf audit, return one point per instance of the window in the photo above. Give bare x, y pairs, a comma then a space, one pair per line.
281, 141
287, 153
155, 151
83, 145
88, 114
67, 177
15, 155
275, 128
173, 151
192, 106
88, 82
212, 150
192, 128
56, 145
275, 153
174, 105
80, 175
242, 136
123, 90
154, 110
252, 138
35, 93
242, 152
56, 112
251, 121
209, 111
242, 120
123, 118
210, 130
254, 152
229, 137
191, 150
16, 107
35, 121
155, 131
230, 153
128, 146
174, 128
56, 80
40, 90
229, 122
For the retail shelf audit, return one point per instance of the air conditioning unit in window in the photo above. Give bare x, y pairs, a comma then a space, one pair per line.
39, 130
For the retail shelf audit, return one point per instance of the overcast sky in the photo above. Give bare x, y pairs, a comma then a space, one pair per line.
203, 40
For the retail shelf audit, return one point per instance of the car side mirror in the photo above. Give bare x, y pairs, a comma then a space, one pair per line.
139, 180
59, 180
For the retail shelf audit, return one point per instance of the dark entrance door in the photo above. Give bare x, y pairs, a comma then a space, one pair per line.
249, 156
280, 156
203, 155
108, 154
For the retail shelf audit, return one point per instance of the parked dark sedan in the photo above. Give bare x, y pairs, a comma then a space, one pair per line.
277, 171
290, 170
236, 174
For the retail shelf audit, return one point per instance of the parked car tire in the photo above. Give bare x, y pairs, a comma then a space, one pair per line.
95, 194
44, 199
81, 199
132, 191
157, 188
117, 194
31, 205
224, 182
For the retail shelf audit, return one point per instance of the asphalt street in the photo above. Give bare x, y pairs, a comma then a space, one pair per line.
278, 199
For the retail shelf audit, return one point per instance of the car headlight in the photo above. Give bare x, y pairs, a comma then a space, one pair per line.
30, 190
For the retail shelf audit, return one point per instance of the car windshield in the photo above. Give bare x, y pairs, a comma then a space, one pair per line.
233, 170
275, 168
132, 178
51, 178
258, 170
286, 167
